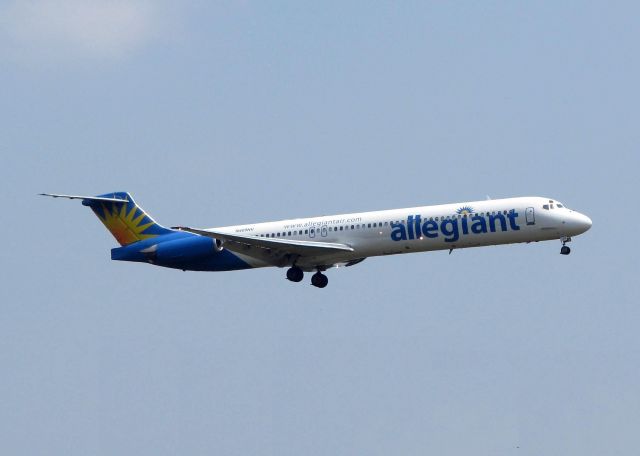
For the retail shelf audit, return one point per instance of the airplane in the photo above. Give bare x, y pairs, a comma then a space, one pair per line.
319, 243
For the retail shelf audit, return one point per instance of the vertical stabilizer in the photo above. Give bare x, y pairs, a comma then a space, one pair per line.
126, 221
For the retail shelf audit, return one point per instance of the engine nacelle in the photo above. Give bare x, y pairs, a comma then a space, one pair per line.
186, 249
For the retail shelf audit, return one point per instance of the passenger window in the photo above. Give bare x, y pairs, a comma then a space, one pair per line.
369, 226
352, 226
306, 231
341, 228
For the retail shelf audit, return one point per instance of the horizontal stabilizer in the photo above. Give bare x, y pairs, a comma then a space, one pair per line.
88, 198
120, 214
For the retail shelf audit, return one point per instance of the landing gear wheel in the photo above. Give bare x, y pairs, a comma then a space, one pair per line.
565, 250
319, 280
295, 274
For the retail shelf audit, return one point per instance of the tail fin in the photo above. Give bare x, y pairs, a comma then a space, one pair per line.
121, 215
127, 221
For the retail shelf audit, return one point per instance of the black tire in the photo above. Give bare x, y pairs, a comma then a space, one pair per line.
565, 250
295, 274
319, 280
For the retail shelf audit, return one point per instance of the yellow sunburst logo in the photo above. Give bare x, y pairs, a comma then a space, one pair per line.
465, 210
124, 224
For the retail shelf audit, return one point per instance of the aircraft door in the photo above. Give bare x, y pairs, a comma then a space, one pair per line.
530, 216
324, 231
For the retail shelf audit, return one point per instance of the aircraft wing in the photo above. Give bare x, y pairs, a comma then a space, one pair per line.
274, 247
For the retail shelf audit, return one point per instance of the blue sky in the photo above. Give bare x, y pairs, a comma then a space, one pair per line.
215, 113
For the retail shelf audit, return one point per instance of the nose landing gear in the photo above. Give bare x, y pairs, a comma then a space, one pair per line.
565, 250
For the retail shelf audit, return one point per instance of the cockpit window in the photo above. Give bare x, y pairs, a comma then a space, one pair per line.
545, 206
560, 205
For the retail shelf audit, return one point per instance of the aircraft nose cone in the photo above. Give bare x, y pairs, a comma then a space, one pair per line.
583, 223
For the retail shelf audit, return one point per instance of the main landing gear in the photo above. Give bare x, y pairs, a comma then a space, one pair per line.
565, 250
319, 280
295, 274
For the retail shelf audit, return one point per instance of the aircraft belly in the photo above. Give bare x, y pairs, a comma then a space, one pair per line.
390, 247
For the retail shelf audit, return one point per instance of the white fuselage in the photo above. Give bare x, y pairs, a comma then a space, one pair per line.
426, 228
